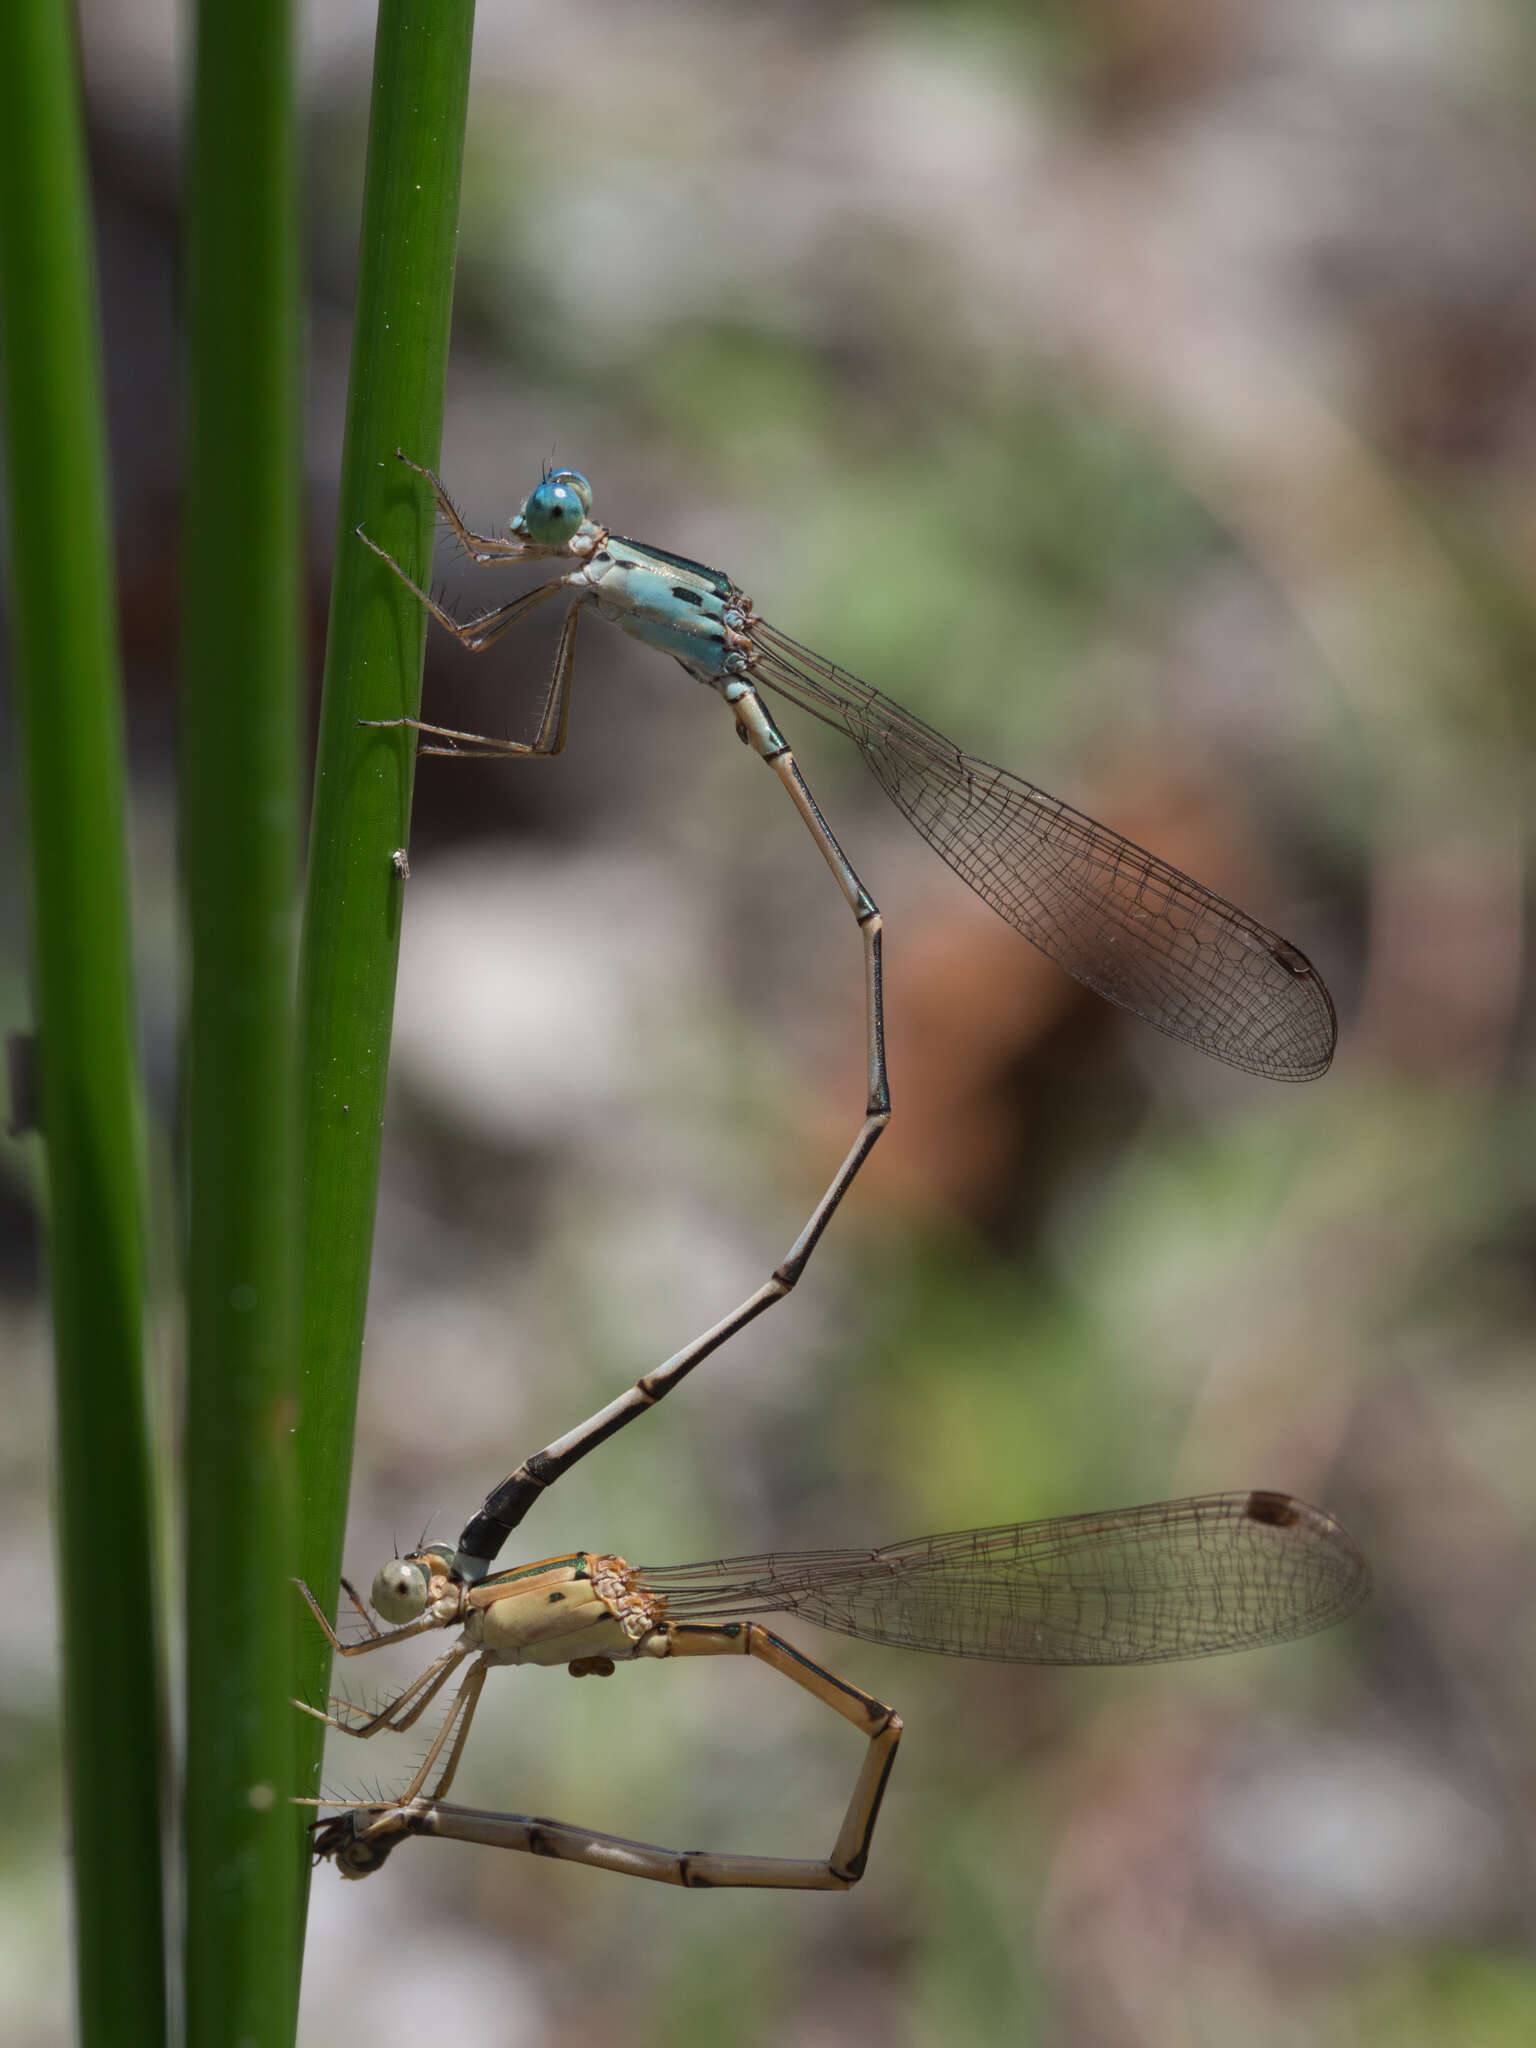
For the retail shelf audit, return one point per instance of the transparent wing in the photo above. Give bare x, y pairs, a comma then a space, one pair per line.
1114, 916
1184, 1578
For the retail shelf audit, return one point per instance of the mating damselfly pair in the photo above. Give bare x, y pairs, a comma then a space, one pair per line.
1178, 1579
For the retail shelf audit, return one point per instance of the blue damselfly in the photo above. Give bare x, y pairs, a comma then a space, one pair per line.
1119, 919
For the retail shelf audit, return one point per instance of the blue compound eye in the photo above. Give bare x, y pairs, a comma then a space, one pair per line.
553, 512
578, 484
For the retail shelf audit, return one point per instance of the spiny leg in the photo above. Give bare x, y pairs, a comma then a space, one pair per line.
485, 628
400, 1712
378, 1639
483, 631
359, 1606
361, 1840
477, 634
506, 1505
480, 547
554, 720
450, 1738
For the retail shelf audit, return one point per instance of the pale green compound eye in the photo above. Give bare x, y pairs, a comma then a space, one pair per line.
399, 1591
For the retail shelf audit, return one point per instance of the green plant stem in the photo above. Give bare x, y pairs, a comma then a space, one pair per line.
374, 648
63, 601
242, 671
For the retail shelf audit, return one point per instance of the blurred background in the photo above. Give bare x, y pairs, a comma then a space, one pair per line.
1141, 391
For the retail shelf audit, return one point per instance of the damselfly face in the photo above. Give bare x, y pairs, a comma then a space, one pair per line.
401, 1588
556, 511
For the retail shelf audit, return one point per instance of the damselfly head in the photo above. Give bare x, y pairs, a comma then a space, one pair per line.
399, 1590
556, 510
